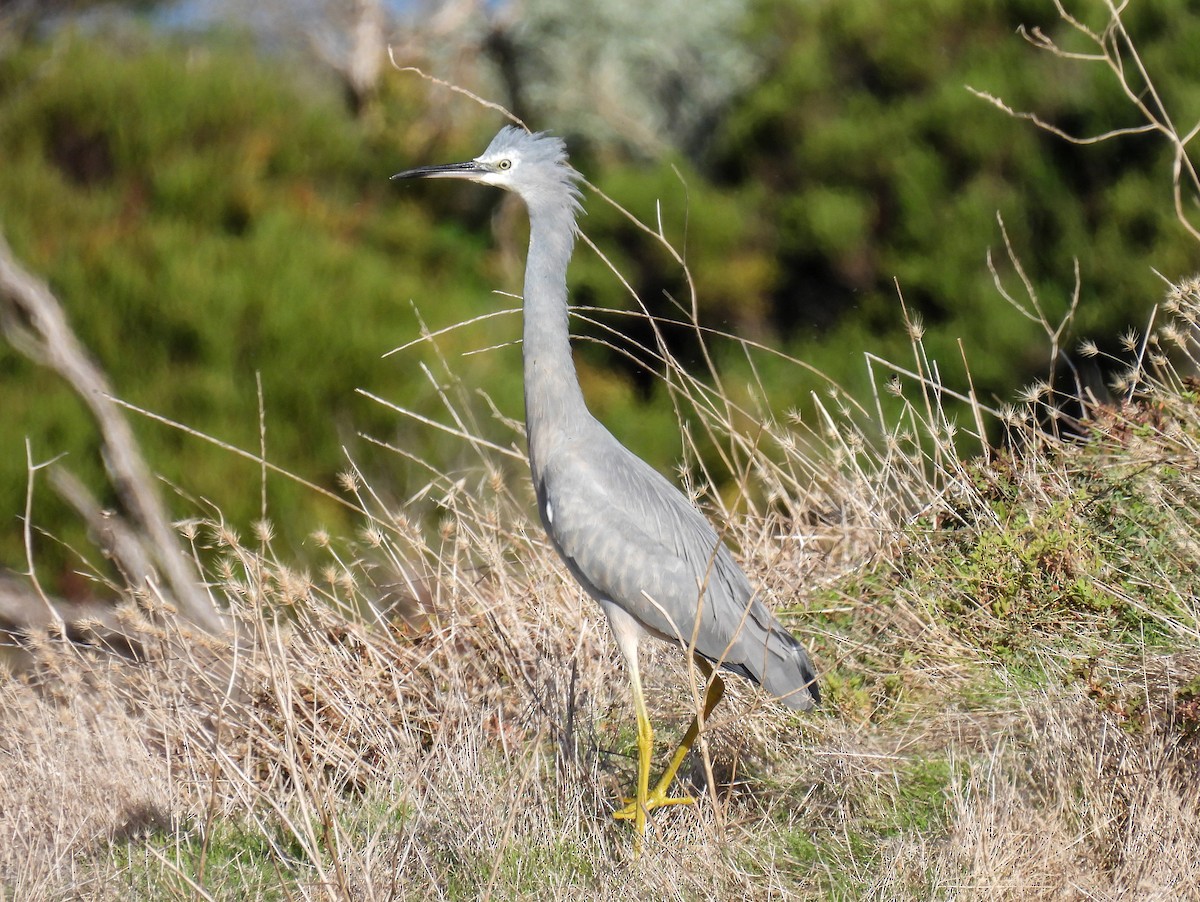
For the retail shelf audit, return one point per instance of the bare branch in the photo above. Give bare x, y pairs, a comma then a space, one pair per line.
1115, 49
1043, 41
491, 105
34, 321
1054, 129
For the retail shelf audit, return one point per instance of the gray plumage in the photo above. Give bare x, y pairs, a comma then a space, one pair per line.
631, 538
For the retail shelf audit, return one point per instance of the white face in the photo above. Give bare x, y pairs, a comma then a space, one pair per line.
500, 168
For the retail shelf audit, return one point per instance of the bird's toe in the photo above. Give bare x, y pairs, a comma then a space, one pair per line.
653, 801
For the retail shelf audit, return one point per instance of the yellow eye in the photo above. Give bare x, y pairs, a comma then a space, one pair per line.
504, 164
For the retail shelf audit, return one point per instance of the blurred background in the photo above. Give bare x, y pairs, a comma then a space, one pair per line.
204, 185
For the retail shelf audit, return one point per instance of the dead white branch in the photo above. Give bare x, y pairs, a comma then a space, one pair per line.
35, 323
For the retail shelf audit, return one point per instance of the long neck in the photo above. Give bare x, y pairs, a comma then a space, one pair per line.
553, 400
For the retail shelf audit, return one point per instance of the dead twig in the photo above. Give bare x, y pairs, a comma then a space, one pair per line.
1117, 51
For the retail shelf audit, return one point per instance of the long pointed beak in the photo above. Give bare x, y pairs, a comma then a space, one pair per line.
467, 170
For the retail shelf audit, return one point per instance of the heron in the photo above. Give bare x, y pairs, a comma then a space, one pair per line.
633, 541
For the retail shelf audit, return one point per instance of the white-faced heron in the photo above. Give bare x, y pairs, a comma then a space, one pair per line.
630, 537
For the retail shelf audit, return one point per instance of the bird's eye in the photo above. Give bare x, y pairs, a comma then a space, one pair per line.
504, 164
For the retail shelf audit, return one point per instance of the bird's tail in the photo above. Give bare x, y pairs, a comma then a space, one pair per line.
788, 672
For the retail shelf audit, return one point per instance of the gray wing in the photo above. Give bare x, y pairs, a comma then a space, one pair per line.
632, 538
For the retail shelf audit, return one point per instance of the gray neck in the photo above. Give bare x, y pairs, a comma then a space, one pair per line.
554, 404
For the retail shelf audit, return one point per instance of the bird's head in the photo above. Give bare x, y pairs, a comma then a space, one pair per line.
533, 165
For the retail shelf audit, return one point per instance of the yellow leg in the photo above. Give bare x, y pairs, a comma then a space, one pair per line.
647, 800
627, 632
714, 694
645, 739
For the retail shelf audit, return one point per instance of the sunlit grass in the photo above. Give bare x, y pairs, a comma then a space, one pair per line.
1007, 647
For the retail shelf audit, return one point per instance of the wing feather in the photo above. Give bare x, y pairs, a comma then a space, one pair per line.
634, 539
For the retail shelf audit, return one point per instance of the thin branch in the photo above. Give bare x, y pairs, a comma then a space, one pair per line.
491, 105
1115, 48
1055, 130
27, 529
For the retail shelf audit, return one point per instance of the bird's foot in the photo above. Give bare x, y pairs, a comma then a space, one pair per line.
657, 799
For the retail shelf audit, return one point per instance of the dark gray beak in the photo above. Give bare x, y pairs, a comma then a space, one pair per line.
448, 171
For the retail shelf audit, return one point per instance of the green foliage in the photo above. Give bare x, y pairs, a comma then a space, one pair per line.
206, 223
858, 169
537, 868
229, 859
882, 172
1074, 561
1071, 561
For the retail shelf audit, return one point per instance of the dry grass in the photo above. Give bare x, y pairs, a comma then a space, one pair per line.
1011, 669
